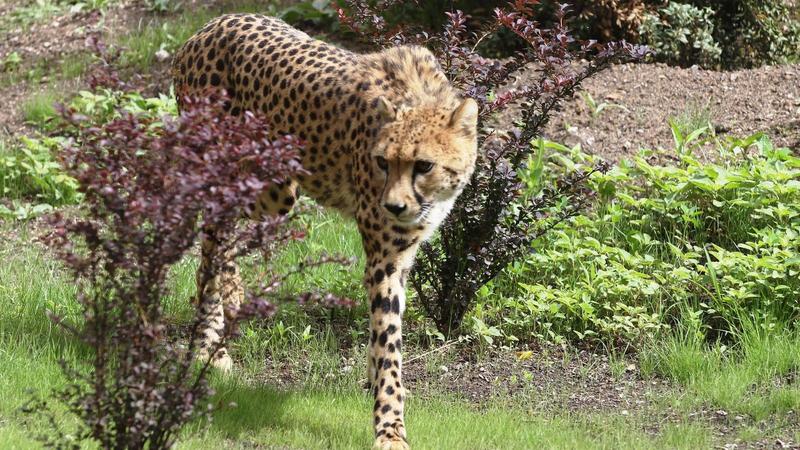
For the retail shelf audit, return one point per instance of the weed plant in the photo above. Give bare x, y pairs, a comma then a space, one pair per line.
718, 240
31, 180
755, 376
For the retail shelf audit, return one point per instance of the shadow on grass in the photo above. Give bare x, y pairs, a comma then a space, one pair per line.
306, 419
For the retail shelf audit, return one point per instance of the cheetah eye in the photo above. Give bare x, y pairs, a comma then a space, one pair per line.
382, 163
423, 166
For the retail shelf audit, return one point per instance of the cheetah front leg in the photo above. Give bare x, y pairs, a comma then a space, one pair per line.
385, 282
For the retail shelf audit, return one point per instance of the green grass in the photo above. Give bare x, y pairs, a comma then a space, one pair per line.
70, 67
757, 377
334, 414
74, 65
141, 44
694, 117
327, 233
39, 109
328, 417
30, 13
25, 73
324, 420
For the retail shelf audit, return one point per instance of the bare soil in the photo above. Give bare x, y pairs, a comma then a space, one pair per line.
46, 44
646, 96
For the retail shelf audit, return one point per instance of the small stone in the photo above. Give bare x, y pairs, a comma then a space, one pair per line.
162, 55
443, 369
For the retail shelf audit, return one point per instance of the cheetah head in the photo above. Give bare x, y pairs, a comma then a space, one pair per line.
426, 156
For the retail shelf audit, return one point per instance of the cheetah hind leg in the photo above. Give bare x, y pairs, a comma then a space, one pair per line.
222, 293
225, 290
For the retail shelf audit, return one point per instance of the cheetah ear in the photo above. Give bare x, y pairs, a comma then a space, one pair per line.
386, 109
465, 116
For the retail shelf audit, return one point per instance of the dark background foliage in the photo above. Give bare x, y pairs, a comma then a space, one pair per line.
749, 32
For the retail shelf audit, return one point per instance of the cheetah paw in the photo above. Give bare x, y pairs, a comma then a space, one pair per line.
392, 438
395, 443
221, 362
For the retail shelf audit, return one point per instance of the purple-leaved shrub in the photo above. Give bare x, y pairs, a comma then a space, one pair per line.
150, 189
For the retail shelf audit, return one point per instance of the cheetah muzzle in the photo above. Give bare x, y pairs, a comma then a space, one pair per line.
389, 143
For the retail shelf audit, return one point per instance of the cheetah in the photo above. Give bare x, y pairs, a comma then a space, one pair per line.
389, 142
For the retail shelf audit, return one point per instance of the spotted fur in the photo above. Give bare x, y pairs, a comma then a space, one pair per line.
389, 143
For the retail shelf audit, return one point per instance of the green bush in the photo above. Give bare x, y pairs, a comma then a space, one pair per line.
710, 33
755, 32
681, 34
745, 33
104, 105
717, 240
31, 181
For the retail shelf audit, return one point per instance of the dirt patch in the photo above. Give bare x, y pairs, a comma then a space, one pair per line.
43, 45
49, 40
547, 379
552, 378
645, 96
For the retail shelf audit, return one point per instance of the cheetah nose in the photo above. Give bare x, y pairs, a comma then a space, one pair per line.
395, 209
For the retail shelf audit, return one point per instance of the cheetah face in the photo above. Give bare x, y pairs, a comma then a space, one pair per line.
425, 157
